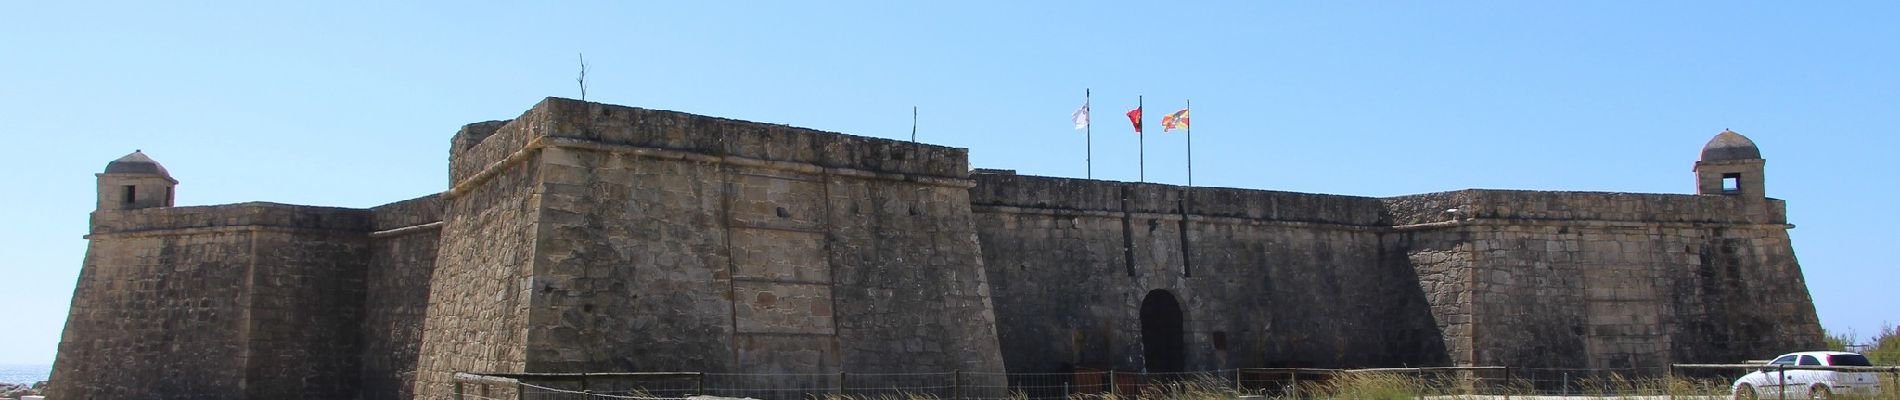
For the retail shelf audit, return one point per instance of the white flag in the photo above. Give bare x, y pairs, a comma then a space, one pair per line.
1082, 116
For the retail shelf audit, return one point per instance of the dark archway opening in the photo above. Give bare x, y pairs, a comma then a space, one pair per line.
1163, 344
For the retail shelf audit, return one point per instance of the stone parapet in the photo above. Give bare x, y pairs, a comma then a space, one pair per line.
407, 213
1081, 195
676, 131
253, 214
1528, 205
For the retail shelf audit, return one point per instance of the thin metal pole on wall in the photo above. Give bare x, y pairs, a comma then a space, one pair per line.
1141, 141
1190, 145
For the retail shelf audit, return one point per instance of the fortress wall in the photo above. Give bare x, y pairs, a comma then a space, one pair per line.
123, 336
679, 242
1441, 263
306, 307
402, 252
477, 316
202, 302
696, 134
909, 280
1609, 280
1264, 278
1050, 272
634, 273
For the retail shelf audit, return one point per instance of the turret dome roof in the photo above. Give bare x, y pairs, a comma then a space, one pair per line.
1730, 146
136, 163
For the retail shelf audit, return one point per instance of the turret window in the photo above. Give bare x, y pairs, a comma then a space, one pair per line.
131, 194
1731, 183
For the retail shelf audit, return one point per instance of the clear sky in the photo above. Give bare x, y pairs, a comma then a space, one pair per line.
353, 103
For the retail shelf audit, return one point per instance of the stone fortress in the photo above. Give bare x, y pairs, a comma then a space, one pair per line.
585, 237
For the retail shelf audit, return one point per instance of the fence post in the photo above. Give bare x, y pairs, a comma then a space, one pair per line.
1421, 383
1237, 379
1781, 382
1669, 380
1894, 391
1294, 376
458, 390
699, 383
956, 385
1507, 383
1113, 386
841, 383
485, 394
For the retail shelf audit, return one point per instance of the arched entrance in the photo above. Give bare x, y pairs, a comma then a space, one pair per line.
1163, 344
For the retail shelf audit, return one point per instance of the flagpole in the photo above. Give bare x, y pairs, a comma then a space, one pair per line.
1088, 133
1141, 141
1190, 140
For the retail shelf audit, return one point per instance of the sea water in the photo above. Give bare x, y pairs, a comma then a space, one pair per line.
24, 374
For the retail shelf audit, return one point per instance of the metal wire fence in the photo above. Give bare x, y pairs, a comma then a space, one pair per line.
1677, 382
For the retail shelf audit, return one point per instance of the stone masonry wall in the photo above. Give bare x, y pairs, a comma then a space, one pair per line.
306, 306
1610, 280
477, 318
196, 302
583, 237
123, 336
670, 241
1264, 278
402, 250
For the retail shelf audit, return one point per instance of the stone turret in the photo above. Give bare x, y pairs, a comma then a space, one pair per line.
1730, 165
134, 182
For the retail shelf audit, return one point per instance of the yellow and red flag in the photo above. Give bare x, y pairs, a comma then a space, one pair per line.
1177, 120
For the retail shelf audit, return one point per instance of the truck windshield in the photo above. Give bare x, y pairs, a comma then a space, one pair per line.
1848, 360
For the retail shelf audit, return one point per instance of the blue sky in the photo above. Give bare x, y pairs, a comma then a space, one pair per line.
352, 103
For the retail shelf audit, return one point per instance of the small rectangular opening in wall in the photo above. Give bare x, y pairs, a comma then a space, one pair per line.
1731, 183
168, 196
131, 194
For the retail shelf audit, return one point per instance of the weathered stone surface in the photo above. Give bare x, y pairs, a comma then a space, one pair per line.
403, 251
253, 300
1264, 278
584, 237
